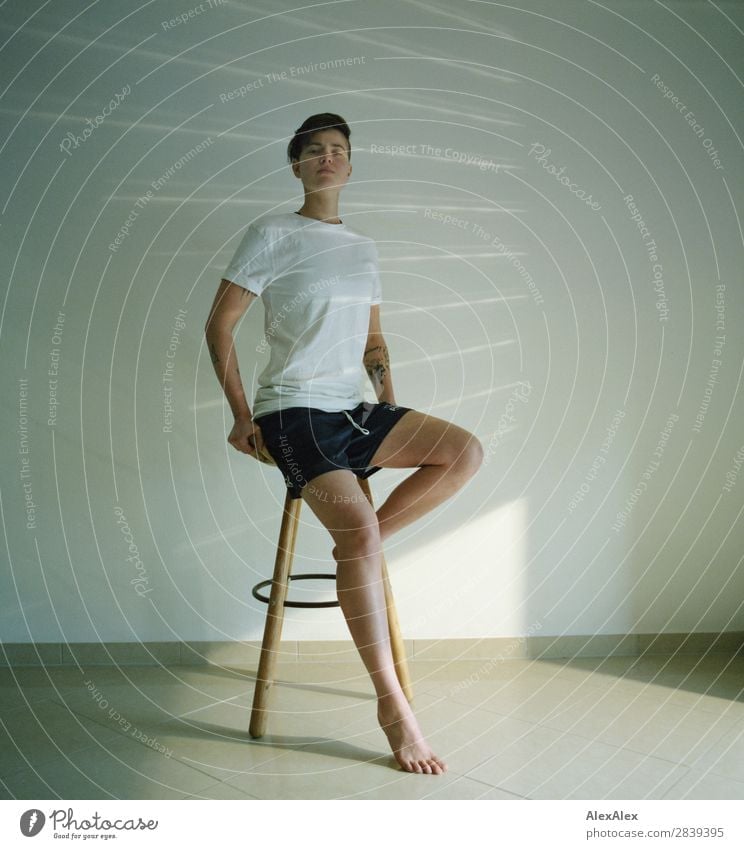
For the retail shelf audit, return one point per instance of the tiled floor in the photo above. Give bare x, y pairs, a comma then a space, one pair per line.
654, 727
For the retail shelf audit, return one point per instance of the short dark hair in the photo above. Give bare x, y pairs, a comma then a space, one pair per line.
322, 121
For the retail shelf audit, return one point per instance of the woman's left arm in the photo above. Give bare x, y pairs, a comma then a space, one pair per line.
377, 360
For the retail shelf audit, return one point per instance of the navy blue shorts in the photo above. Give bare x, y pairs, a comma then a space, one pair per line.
306, 442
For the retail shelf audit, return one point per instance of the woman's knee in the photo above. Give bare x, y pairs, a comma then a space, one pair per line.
464, 452
359, 541
338, 501
473, 453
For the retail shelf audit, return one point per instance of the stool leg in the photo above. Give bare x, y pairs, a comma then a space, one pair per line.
396, 639
275, 615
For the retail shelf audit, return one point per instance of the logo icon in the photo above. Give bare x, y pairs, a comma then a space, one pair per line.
391, 407
32, 822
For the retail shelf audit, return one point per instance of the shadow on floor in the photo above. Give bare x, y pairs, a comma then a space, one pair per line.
316, 744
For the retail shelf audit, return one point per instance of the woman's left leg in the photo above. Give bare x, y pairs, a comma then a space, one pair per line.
446, 455
338, 501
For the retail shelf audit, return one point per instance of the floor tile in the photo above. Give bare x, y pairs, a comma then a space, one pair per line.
221, 751
45, 731
548, 764
125, 769
726, 756
531, 698
51, 781
649, 724
698, 784
220, 790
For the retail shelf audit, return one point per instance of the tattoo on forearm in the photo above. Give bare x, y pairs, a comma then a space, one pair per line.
377, 364
213, 354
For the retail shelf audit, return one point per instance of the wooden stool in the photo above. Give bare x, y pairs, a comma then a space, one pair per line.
277, 601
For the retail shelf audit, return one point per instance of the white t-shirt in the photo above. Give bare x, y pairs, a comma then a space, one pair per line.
317, 282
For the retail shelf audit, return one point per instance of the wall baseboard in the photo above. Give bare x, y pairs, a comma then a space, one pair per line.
241, 653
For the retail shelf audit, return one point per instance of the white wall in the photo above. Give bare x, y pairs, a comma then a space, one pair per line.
533, 319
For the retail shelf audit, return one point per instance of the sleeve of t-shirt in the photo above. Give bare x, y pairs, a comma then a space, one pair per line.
252, 265
376, 285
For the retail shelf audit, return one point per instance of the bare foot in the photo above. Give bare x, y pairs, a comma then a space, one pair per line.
406, 740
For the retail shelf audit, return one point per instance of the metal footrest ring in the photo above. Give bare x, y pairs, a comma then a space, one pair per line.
287, 603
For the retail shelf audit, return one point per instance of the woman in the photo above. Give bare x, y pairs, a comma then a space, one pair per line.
319, 282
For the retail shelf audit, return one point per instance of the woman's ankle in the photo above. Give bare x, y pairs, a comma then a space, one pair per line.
392, 701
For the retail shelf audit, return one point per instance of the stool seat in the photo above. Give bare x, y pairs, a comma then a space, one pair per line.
265, 457
277, 601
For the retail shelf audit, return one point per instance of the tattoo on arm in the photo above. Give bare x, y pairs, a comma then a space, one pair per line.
377, 364
213, 353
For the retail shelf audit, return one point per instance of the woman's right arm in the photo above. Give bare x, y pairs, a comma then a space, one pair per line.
230, 302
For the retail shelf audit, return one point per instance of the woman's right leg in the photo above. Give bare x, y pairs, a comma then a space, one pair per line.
342, 507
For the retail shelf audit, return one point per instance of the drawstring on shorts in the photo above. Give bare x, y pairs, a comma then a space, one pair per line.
358, 427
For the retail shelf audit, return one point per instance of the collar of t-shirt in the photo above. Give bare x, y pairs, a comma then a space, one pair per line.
319, 219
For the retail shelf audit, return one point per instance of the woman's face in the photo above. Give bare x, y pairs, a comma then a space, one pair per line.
324, 161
